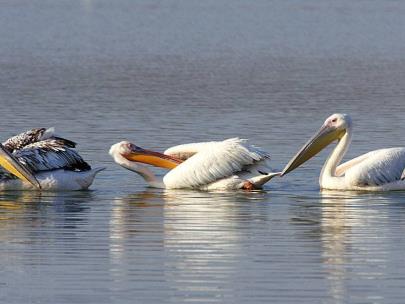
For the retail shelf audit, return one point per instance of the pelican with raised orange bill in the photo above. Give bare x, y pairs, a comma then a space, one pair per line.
216, 165
38, 159
379, 170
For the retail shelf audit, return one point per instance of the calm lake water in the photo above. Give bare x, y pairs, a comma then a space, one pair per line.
160, 73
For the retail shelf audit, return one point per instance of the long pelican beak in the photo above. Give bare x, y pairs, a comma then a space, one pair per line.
317, 143
11, 164
152, 158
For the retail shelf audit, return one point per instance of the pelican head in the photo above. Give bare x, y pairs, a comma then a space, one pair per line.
334, 128
12, 165
133, 153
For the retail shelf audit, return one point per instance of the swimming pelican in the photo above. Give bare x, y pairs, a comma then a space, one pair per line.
216, 165
38, 159
379, 170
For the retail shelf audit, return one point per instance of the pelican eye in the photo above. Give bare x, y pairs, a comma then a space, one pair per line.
134, 148
130, 147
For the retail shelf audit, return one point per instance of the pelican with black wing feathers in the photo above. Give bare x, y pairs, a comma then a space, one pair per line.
38, 159
379, 170
216, 165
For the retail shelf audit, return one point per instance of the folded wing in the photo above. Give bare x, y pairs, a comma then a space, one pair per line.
41, 150
377, 168
211, 162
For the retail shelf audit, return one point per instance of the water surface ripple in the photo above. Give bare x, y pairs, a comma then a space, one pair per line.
163, 73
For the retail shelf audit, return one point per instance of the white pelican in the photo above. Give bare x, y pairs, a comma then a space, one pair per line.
216, 165
41, 160
379, 170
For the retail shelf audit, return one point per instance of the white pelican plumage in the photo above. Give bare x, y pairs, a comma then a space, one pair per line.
379, 170
216, 165
38, 159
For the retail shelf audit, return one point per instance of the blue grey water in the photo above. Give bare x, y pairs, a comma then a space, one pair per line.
160, 73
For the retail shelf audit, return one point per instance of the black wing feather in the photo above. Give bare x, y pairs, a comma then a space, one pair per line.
40, 150
50, 154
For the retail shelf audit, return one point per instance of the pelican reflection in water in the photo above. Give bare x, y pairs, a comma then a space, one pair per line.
28, 215
354, 241
188, 232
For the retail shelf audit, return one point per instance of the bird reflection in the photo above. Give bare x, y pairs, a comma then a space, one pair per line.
337, 221
31, 220
202, 239
348, 251
185, 233
26, 206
